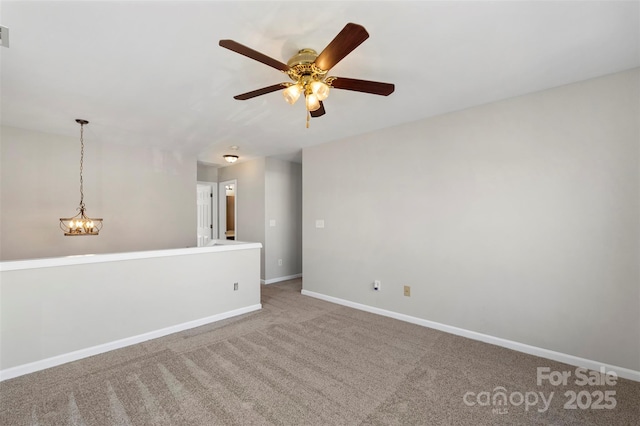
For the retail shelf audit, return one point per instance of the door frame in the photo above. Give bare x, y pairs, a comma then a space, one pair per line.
222, 208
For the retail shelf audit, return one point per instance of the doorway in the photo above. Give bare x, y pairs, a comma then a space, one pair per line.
227, 208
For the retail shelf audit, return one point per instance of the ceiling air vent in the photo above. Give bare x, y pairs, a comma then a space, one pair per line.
4, 36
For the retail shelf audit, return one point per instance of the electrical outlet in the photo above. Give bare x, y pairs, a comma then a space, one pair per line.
235, 286
376, 285
407, 291
279, 262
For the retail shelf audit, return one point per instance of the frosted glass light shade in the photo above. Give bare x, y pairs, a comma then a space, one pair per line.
320, 89
312, 102
292, 93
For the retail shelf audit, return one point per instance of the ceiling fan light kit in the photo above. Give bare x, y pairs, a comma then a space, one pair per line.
230, 158
308, 70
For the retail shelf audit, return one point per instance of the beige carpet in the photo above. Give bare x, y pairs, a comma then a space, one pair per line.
302, 361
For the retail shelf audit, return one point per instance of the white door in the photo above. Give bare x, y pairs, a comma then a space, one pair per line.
205, 213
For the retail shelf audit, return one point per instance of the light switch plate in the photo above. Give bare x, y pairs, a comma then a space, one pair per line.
272, 223
319, 223
4, 36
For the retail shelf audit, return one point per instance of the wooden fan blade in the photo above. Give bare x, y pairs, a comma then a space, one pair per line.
351, 36
258, 92
253, 54
319, 112
373, 87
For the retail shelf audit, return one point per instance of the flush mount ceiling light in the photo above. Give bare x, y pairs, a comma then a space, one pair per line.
308, 70
81, 224
230, 158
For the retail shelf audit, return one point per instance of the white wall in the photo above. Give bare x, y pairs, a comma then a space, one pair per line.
145, 196
283, 204
48, 313
518, 219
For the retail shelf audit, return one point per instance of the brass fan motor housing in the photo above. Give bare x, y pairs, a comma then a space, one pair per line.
302, 66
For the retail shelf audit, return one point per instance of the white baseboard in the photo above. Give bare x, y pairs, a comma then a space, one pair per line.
516, 346
279, 279
32, 367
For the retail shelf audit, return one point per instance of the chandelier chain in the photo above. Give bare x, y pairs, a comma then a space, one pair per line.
81, 164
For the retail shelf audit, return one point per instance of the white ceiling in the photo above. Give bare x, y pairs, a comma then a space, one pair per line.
152, 73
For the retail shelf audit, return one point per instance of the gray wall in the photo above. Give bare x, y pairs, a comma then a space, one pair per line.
249, 201
207, 173
283, 204
146, 196
270, 188
518, 219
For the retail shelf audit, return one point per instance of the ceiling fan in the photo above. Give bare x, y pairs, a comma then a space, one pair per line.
308, 70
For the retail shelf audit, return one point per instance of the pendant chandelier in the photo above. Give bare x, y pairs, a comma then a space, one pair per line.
81, 224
